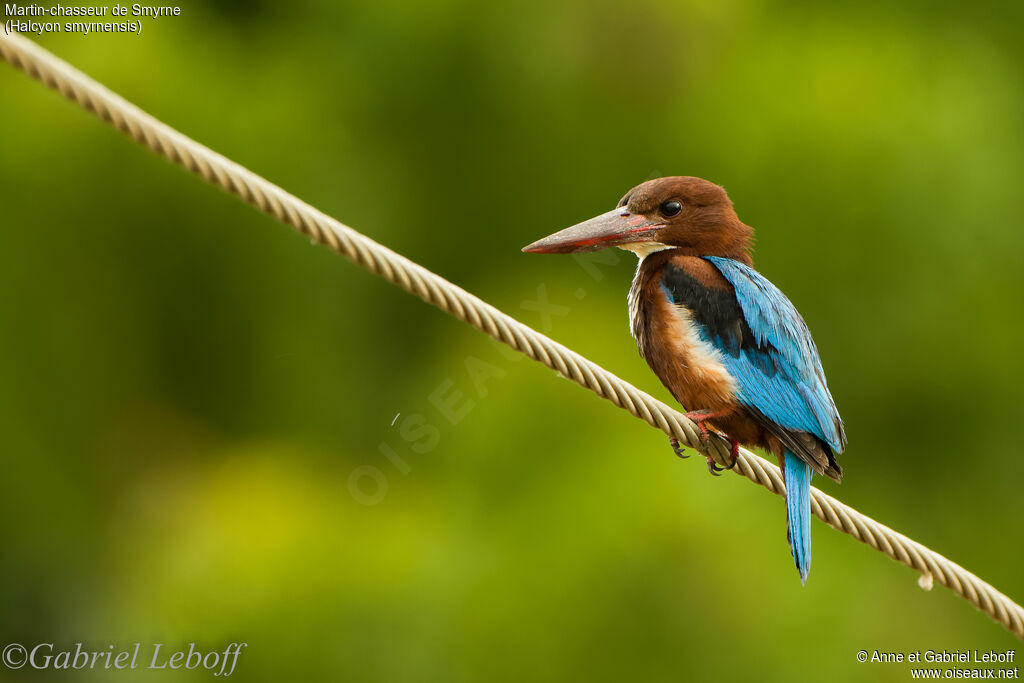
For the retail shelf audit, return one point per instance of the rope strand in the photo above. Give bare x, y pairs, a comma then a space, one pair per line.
25, 55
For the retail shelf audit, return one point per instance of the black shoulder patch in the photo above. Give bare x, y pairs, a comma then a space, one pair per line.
716, 310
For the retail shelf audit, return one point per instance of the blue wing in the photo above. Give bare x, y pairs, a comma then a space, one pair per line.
780, 375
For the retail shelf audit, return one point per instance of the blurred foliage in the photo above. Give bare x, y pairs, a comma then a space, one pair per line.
186, 388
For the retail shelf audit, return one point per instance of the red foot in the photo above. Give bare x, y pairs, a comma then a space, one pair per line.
702, 416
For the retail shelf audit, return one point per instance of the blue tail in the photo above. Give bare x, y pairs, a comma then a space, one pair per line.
798, 512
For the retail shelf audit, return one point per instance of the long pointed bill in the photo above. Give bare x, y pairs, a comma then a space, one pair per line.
610, 229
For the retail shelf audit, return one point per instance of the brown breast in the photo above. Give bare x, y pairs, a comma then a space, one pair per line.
670, 342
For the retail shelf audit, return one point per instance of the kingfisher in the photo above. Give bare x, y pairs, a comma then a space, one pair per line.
722, 339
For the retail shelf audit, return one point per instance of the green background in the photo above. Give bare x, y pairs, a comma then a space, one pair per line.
187, 387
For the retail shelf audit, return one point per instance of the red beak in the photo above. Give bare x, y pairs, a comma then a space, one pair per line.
611, 229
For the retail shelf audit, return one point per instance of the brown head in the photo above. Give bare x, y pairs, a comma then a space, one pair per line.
679, 211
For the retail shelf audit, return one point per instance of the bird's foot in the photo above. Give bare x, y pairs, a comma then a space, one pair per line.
734, 453
700, 417
677, 449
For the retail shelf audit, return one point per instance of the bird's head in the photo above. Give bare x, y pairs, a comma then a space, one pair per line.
675, 212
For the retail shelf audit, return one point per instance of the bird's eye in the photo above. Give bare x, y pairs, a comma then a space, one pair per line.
670, 207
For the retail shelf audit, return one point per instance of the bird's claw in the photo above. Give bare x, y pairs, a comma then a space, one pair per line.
734, 453
700, 418
677, 449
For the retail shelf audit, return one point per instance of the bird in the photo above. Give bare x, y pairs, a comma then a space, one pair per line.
725, 342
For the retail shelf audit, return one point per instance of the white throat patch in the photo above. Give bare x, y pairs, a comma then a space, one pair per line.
645, 249
642, 251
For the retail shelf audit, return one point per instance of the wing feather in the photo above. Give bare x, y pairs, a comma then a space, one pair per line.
780, 375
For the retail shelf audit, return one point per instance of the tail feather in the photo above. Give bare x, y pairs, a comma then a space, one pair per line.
798, 512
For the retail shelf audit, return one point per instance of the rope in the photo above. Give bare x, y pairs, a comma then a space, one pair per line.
25, 55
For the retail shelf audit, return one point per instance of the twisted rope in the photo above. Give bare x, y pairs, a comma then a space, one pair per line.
267, 197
